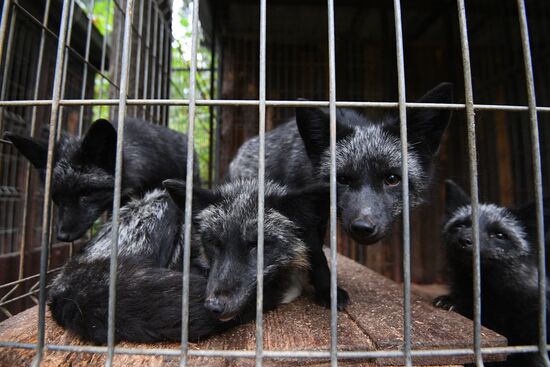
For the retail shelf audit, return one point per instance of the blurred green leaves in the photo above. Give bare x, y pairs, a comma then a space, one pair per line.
104, 17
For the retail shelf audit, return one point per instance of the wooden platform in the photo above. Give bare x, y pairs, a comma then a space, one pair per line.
373, 321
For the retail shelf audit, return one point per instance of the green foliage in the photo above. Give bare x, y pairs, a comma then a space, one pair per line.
179, 88
179, 115
103, 15
179, 81
103, 20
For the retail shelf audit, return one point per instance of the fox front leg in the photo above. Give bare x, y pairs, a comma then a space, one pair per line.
320, 276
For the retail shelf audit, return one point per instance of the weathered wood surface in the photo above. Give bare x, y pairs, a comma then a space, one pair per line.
373, 321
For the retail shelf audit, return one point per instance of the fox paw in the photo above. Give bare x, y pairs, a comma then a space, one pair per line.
445, 302
342, 299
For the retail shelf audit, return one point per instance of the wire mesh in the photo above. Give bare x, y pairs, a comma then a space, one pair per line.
154, 89
405, 180
332, 219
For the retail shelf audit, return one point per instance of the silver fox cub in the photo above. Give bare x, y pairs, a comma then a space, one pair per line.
223, 262
84, 168
368, 160
368, 164
508, 253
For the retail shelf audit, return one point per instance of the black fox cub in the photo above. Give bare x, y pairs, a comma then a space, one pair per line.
509, 287
368, 160
84, 169
223, 267
368, 164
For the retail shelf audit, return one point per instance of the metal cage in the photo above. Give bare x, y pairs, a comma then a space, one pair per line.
142, 88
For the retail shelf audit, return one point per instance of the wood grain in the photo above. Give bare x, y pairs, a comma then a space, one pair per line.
373, 321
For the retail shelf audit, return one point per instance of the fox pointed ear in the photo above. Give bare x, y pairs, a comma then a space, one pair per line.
201, 197
306, 205
36, 151
425, 126
455, 197
99, 145
314, 127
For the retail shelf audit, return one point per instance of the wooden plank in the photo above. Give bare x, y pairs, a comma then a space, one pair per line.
373, 321
377, 308
301, 325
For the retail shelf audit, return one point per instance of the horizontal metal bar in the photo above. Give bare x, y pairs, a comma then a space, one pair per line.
274, 103
297, 354
15, 282
11, 300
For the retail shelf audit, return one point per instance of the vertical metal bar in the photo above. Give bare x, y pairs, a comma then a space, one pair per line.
537, 173
147, 45
166, 73
217, 142
44, 254
123, 95
159, 66
472, 163
65, 67
115, 42
86, 61
4, 25
189, 188
27, 181
333, 229
405, 184
138, 56
154, 59
261, 191
104, 51
211, 108
84, 81
7, 63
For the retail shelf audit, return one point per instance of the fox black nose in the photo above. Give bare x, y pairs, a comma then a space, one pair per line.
465, 241
63, 236
362, 228
214, 306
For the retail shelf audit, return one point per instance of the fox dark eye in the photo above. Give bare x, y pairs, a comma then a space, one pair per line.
343, 180
392, 180
498, 235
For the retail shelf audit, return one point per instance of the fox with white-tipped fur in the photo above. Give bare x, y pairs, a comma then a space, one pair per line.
509, 275
368, 160
83, 175
223, 262
368, 166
